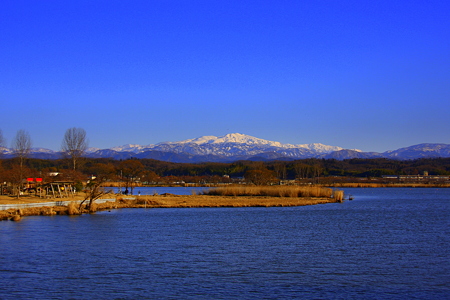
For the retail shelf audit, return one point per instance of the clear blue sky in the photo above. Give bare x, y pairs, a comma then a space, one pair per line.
371, 75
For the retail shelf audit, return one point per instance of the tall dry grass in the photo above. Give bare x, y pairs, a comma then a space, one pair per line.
272, 191
338, 195
72, 209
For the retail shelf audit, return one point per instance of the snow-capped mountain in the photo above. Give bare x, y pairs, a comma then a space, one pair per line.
231, 145
230, 138
236, 146
238, 138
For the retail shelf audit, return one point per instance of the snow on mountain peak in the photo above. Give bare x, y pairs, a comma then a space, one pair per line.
320, 148
207, 139
130, 148
237, 138
42, 150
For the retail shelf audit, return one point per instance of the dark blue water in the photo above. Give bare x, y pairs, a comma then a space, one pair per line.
385, 244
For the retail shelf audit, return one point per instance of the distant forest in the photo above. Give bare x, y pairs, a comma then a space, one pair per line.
150, 170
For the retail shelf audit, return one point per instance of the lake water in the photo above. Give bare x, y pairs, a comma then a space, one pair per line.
161, 190
388, 243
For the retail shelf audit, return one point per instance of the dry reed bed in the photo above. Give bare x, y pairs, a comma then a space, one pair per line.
227, 201
272, 191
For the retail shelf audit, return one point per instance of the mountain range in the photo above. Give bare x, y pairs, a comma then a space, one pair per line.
236, 146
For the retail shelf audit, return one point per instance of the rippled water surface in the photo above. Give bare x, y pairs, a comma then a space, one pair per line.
189, 190
385, 244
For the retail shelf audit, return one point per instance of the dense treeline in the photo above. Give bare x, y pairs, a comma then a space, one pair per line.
75, 167
154, 170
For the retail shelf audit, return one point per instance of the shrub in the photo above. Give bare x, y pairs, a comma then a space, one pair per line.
338, 195
72, 209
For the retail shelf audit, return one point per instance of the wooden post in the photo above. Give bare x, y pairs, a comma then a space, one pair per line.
53, 190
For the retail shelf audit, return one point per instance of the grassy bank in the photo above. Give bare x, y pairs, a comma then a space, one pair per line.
169, 201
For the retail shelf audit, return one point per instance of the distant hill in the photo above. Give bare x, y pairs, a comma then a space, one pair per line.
420, 151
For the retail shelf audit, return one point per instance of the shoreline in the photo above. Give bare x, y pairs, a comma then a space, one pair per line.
331, 185
387, 185
163, 201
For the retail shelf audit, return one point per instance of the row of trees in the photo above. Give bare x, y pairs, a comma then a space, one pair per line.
150, 170
73, 146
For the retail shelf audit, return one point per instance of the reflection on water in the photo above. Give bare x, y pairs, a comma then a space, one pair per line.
385, 244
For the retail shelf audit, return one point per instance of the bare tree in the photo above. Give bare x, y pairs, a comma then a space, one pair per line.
2, 139
94, 190
2, 148
302, 170
280, 170
131, 170
74, 144
260, 176
317, 169
2, 143
21, 146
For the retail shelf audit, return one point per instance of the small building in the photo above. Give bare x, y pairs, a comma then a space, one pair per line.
59, 189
